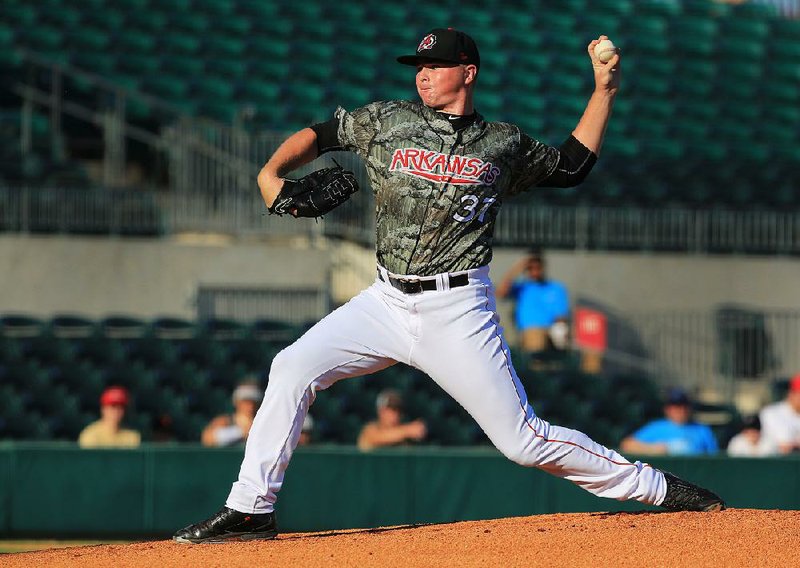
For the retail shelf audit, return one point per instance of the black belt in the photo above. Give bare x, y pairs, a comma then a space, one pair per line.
418, 285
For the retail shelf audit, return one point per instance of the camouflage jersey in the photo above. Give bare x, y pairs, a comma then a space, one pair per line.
437, 190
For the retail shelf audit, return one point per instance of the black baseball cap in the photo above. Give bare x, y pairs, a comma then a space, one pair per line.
678, 397
445, 44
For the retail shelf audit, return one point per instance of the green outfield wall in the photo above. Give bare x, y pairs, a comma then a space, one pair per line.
55, 490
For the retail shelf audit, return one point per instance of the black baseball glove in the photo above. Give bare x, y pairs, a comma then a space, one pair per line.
315, 194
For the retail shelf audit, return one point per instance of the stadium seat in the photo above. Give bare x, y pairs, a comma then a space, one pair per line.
740, 65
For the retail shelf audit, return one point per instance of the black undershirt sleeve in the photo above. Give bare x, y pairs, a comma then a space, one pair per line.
574, 164
327, 136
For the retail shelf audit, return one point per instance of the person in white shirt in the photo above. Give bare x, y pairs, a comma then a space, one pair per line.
749, 443
780, 421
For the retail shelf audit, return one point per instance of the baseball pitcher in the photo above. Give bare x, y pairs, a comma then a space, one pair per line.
440, 173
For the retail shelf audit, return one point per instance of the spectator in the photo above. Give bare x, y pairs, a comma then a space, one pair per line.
780, 421
307, 431
230, 429
542, 305
389, 429
163, 429
749, 443
675, 434
108, 431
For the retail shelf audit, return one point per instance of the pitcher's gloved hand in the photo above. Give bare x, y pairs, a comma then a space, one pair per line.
315, 194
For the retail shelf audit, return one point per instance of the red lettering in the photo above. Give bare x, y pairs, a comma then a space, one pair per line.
456, 165
441, 168
399, 157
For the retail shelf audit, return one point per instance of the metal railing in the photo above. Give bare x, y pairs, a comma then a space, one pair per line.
721, 349
212, 168
519, 224
293, 305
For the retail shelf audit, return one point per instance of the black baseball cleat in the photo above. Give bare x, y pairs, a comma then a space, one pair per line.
685, 496
229, 525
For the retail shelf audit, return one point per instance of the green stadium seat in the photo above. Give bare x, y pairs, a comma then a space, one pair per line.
107, 18
68, 423
123, 327
154, 352
11, 402
227, 67
555, 23
138, 65
218, 110
755, 11
29, 426
617, 7
133, 42
172, 328
783, 31
27, 376
189, 427
100, 63
87, 40
175, 43
261, 91
746, 54
165, 86
148, 20
638, 26
595, 23
213, 88
214, 401
20, 326
74, 329
23, 15
182, 66
140, 421
227, 46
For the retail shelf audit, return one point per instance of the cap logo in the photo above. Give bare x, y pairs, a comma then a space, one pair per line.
427, 42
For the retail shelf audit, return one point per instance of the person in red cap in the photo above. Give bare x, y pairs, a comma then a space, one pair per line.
780, 421
108, 431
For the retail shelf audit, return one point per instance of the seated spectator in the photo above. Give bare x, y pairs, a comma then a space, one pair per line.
389, 429
230, 429
108, 431
780, 421
542, 305
675, 434
163, 429
749, 443
307, 431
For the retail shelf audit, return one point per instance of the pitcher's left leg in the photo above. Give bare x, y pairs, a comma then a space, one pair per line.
468, 357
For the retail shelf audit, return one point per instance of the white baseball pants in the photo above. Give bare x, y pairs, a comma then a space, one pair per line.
454, 336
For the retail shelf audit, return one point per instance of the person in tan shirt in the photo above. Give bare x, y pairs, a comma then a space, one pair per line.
108, 431
389, 429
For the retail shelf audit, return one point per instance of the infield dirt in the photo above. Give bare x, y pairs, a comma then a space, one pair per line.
736, 537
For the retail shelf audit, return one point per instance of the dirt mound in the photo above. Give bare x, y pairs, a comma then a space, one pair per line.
736, 537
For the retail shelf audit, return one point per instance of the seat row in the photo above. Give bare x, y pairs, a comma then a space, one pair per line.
673, 53
52, 376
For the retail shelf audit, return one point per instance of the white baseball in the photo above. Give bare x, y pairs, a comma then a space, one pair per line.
604, 50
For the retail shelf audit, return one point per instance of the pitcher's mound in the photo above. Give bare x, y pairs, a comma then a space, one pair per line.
736, 537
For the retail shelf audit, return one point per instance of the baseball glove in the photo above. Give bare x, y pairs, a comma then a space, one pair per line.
315, 194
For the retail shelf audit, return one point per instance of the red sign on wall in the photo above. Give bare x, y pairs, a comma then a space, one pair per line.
591, 329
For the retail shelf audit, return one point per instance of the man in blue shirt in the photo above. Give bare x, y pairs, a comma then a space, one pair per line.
542, 305
675, 434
